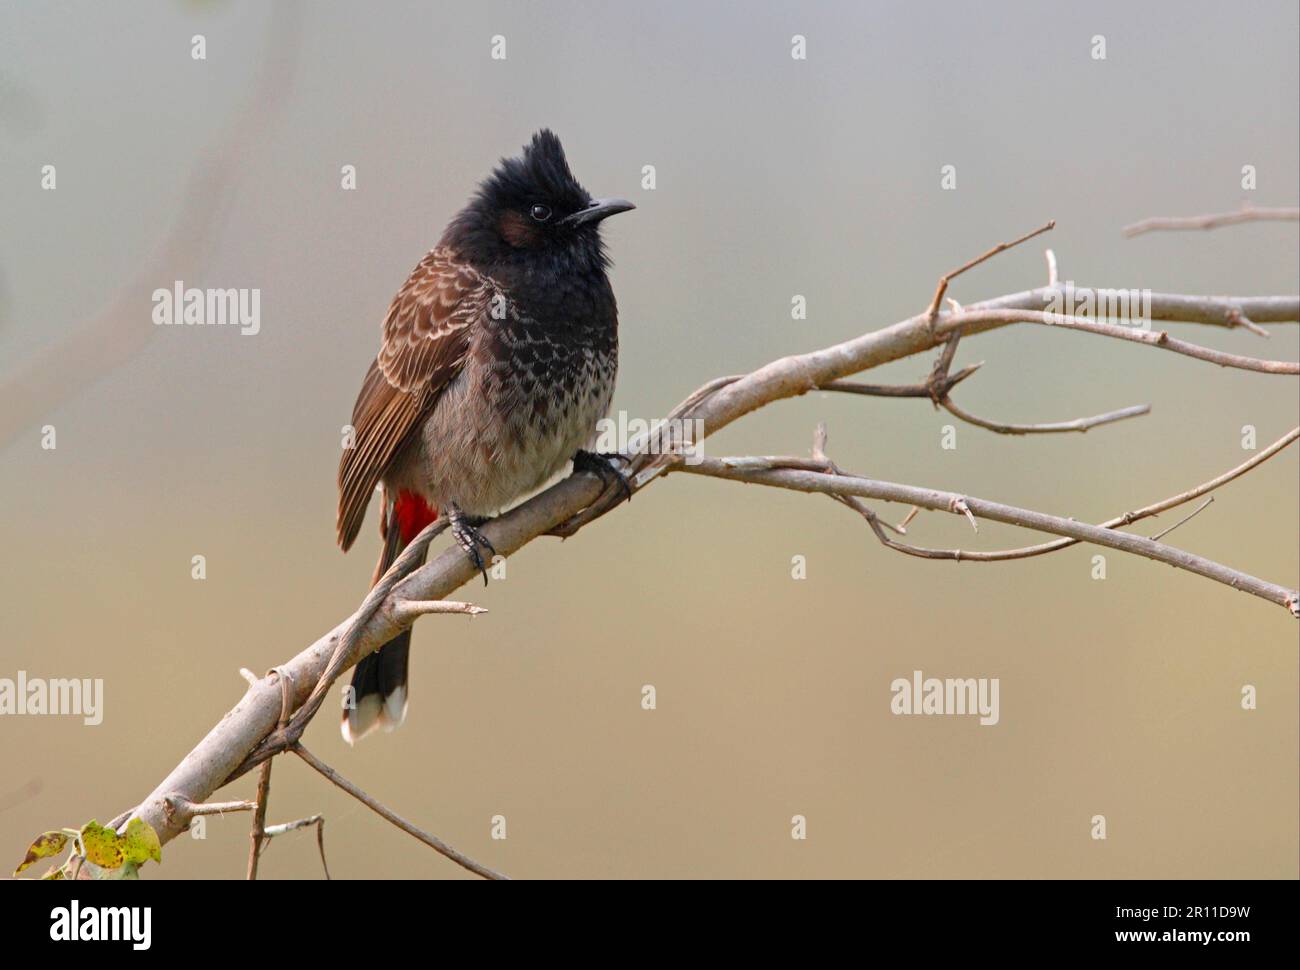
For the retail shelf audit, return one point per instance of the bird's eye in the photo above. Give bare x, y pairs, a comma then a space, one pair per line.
540, 212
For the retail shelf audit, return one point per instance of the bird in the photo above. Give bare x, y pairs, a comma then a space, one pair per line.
497, 360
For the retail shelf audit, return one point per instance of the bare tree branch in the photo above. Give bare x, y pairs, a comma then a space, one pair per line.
727, 399
1247, 213
318, 821
1151, 338
1236, 319
1186, 518
258, 834
187, 810
820, 463
1056, 427
803, 480
285, 827
1028, 552
432, 841
412, 610
248, 735
923, 389
948, 277
938, 390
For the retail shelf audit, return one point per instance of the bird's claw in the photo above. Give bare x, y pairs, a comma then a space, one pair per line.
469, 538
603, 467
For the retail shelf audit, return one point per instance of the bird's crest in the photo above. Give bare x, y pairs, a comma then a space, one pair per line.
541, 171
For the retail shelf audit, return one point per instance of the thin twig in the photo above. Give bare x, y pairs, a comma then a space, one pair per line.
259, 819
922, 389
258, 835
1151, 338
938, 381
414, 609
346, 646
318, 821
188, 810
1042, 548
939, 385
770, 463
1247, 213
819, 458
959, 504
1078, 424
284, 827
947, 278
1187, 518
811, 481
878, 525
432, 841
1238, 319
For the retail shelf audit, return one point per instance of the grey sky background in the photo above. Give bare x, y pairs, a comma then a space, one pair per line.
775, 177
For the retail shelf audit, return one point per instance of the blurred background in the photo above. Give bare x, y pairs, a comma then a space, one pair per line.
775, 177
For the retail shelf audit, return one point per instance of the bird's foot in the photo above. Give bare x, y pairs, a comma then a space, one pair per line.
464, 529
603, 467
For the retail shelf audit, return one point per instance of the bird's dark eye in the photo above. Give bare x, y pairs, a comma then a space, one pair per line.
540, 212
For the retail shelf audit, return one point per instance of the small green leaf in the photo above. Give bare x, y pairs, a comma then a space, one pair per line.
48, 844
140, 843
100, 845
55, 872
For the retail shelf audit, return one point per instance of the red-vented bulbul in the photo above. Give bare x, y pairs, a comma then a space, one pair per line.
497, 360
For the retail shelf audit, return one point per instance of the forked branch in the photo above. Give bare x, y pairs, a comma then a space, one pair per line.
255, 731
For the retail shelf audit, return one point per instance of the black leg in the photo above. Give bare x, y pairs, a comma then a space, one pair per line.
464, 530
603, 467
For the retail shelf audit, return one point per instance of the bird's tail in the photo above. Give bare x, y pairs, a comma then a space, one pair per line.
379, 695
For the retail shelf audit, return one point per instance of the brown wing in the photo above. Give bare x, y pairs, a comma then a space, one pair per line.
426, 338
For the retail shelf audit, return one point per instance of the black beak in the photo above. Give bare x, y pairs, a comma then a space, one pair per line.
596, 210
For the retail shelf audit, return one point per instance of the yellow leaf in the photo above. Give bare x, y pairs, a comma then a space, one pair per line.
48, 844
140, 843
101, 846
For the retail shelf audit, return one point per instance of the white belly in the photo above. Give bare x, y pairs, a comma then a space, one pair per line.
487, 443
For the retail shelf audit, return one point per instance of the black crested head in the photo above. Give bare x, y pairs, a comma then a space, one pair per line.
541, 171
531, 208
